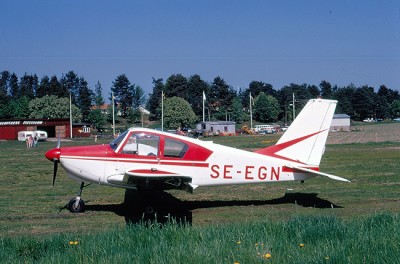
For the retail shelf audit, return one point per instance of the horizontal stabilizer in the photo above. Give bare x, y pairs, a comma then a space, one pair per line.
333, 177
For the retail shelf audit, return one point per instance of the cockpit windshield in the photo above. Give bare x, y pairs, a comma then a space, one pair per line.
115, 143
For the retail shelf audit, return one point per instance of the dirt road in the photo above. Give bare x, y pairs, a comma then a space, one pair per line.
363, 133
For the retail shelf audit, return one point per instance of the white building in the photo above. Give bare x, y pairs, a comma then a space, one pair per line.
217, 127
340, 122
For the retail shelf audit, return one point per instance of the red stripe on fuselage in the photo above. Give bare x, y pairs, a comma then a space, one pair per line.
141, 161
286, 169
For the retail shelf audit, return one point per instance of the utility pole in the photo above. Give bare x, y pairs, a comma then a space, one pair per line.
70, 114
294, 113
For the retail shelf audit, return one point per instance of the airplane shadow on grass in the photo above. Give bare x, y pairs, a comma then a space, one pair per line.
164, 207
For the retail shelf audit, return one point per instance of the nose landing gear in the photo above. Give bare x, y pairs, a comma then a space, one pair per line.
77, 205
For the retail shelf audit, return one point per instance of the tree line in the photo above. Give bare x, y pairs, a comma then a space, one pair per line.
268, 104
49, 97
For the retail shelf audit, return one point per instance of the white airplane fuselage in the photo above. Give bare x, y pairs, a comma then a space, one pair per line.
225, 166
147, 159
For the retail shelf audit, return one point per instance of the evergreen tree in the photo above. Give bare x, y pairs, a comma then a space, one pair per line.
313, 91
221, 96
138, 96
326, 90
4, 98
4, 83
195, 88
98, 98
84, 99
344, 96
123, 93
28, 85
176, 85
44, 87
364, 103
71, 84
154, 102
14, 87
56, 88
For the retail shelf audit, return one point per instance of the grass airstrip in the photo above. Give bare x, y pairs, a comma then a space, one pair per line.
320, 221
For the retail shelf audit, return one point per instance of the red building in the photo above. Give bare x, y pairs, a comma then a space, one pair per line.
54, 127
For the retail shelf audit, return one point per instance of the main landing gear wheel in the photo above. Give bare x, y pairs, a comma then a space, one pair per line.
76, 205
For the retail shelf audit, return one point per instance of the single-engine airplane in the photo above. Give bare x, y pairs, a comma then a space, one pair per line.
150, 161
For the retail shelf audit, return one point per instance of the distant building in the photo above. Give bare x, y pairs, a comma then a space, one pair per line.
103, 108
9, 128
106, 108
53, 127
340, 122
81, 130
217, 127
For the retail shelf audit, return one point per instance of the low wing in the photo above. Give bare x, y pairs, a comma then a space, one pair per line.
152, 179
318, 173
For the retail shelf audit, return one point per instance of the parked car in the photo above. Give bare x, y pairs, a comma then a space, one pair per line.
369, 120
397, 119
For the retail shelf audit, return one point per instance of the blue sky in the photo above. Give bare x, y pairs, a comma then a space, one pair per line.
277, 42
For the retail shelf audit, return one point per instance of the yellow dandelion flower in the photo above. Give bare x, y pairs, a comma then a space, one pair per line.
76, 242
236, 262
238, 242
267, 256
71, 242
301, 245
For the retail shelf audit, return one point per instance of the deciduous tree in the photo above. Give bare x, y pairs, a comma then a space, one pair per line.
178, 113
52, 107
266, 108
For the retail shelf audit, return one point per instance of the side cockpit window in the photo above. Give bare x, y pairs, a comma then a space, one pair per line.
142, 144
174, 148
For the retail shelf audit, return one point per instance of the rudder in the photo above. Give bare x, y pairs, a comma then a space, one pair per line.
305, 139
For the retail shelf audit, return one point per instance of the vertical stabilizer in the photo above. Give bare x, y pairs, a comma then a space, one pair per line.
305, 139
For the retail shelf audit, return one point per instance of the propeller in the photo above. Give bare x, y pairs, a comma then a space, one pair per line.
54, 156
55, 161
58, 142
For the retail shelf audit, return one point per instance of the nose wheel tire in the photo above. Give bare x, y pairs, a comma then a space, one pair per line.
76, 205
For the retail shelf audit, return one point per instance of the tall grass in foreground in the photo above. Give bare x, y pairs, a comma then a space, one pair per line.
301, 240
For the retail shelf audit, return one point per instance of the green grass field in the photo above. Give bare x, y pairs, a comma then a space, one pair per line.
374, 239
338, 222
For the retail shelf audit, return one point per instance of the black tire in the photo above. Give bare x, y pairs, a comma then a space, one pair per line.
80, 208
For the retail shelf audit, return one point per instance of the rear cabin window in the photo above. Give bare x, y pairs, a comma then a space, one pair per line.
174, 148
142, 144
